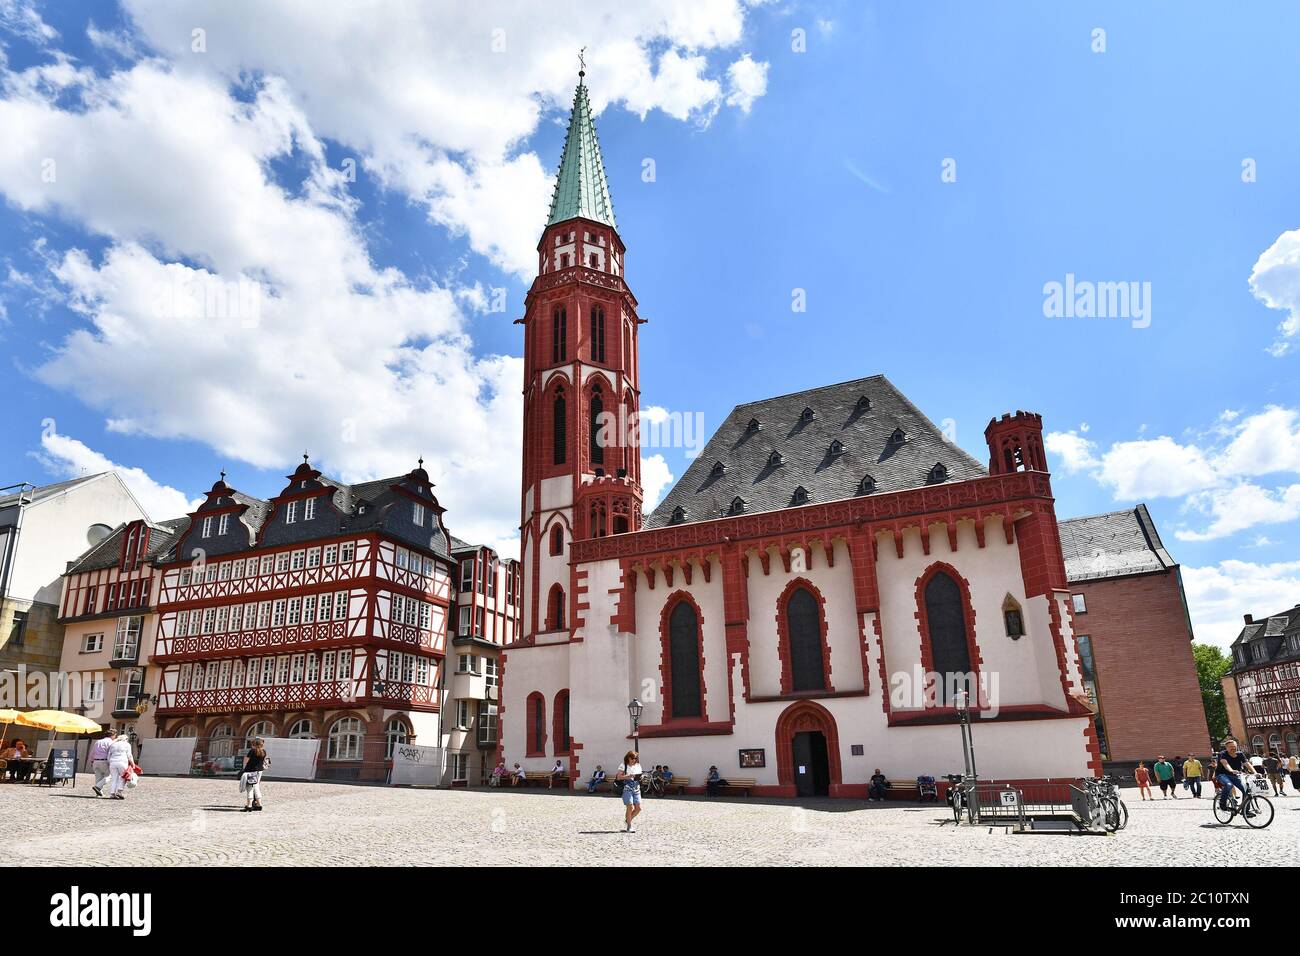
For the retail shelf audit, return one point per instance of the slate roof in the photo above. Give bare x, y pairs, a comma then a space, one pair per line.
108, 552
581, 188
806, 460
1278, 635
1112, 545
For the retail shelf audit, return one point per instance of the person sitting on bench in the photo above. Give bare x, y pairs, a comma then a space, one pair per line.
713, 782
596, 780
518, 777
876, 789
557, 773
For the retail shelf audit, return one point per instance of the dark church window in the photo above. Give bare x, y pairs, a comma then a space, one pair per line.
597, 449
807, 668
946, 617
597, 332
555, 609
537, 718
562, 739
684, 660
557, 540
558, 424
559, 335
1015, 623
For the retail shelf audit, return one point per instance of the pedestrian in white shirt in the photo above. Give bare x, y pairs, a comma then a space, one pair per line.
99, 762
119, 759
629, 775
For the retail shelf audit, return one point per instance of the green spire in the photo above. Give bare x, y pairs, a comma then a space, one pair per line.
581, 188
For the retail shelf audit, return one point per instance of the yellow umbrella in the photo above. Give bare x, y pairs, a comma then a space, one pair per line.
7, 717
58, 721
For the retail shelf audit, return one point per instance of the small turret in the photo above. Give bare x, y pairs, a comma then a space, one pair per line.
1016, 443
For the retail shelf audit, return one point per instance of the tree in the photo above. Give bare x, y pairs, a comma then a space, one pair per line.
1212, 666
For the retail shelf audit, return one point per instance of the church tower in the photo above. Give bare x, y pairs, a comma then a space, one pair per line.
582, 467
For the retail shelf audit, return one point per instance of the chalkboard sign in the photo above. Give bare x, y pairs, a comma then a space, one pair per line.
62, 764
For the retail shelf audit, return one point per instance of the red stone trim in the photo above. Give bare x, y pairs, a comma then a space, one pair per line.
806, 715
923, 617
783, 634
665, 656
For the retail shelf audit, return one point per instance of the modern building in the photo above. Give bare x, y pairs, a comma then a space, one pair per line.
1266, 674
41, 528
108, 610
1135, 638
320, 613
821, 593
487, 604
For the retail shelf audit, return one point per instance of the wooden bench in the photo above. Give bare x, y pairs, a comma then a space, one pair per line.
677, 785
542, 778
902, 787
737, 786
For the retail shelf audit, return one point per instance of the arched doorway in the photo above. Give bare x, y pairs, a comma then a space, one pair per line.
808, 751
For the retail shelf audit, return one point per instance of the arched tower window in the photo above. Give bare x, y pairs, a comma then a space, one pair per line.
557, 540
555, 609
536, 710
558, 427
803, 623
597, 409
597, 333
563, 743
684, 661
559, 334
945, 614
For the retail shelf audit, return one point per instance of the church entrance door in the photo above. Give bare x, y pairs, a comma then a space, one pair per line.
812, 772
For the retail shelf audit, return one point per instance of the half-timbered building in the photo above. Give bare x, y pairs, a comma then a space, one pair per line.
818, 596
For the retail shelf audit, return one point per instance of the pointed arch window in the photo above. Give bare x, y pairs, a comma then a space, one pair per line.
563, 742
555, 608
557, 540
536, 710
685, 679
597, 333
597, 446
1013, 618
559, 334
559, 422
803, 625
947, 627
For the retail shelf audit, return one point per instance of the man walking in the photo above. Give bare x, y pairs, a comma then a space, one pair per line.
1192, 776
1273, 767
99, 761
1165, 777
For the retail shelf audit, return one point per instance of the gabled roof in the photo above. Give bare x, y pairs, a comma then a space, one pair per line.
766, 450
581, 189
1274, 634
1112, 545
31, 494
108, 552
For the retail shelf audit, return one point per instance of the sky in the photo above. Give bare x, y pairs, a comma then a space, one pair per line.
235, 233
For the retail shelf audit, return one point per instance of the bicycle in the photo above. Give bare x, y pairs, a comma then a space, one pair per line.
959, 798
651, 785
1256, 809
1104, 793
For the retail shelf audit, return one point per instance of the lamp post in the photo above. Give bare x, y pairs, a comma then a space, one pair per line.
634, 711
961, 701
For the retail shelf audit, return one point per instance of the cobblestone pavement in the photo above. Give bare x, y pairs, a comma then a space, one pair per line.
189, 822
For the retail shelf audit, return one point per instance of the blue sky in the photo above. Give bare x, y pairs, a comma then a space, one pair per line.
775, 170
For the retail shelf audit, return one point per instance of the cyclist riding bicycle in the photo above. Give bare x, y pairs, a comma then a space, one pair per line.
1228, 768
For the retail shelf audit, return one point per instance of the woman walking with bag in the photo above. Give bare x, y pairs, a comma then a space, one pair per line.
250, 780
629, 775
120, 763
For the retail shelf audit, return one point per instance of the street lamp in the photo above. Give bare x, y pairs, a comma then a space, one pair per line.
961, 702
634, 711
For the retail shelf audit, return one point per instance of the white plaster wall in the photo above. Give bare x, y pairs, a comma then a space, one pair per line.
836, 587
543, 668
54, 533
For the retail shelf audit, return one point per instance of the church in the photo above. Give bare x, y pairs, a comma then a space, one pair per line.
828, 589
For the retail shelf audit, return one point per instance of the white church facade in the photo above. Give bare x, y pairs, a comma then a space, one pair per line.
802, 606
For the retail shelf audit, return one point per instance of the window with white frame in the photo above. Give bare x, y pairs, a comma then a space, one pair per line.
237, 569
346, 739
467, 575
295, 611
298, 560
291, 512
268, 671
277, 613
221, 742
340, 605
282, 562
223, 571
1080, 604
399, 608
347, 550
126, 642
313, 669
223, 619
460, 766
313, 558
417, 514
395, 734
298, 669
223, 676
326, 606
264, 614
302, 730
254, 671
223, 524
94, 691
331, 554
309, 509
462, 714
467, 664
490, 671
207, 526
183, 679
237, 673
462, 627
129, 682
92, 643
268, 564
282, 669
327, 666
309, 609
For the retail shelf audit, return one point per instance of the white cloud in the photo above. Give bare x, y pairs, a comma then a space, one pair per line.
1213, 474
1218, 595
1275, 281
69, 458
655, 479
20, 18
437, 97
746, 82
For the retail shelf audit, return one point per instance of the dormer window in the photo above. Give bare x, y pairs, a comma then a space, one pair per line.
899, 437
938, 474
800, 497
775, 460
753, 426
737, 506
863, 406
836, 449
678, 516
806, 416
867, 485
718, 470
